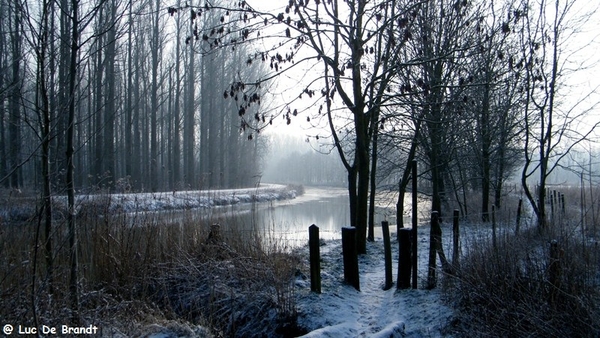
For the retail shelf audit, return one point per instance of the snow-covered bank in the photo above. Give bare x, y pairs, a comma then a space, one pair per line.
179, 200
144, 202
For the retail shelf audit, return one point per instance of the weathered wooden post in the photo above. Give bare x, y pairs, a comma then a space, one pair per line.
431, 277
315, 258
519, 215
387, 249
554, 270
404, 259
350, 257
455, 239
415, 222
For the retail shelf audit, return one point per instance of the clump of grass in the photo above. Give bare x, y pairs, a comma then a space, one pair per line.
523, 287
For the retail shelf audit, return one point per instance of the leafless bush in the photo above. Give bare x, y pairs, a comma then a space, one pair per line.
524, 288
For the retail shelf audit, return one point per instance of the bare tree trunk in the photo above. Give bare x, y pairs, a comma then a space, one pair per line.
205, 162
154, 102
14, 122
406, 178
43, 107
99, 102
110, 106
3, 84
373, 183
485, 151
189, 117
136, 125
176, 163
128, 147
73, 282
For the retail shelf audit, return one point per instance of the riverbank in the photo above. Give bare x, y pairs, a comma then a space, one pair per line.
23, 209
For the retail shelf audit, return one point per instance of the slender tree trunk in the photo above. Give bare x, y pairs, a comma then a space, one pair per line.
73, 282
222, 133
110, 106
352, 174
176, 164
154, 103
189, 117
486, 143
136, 125
406, 178
43, 107
98, 99
128, 150
14, 122
3, 84
373, 182
97, 128
362, 197
205, 102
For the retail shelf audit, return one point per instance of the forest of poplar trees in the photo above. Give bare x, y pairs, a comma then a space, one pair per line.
149, 109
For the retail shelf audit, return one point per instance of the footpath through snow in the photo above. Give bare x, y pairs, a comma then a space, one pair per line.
341, 311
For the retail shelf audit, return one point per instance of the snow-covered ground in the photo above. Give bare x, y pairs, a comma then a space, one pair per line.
341, 311
191, 199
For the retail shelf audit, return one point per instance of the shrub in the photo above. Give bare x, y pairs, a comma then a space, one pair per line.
534, 284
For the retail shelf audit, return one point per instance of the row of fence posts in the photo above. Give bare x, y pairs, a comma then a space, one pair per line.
407, 247
407, 250
555, 198
407, 255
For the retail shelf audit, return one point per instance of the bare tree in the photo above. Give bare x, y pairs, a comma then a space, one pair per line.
359, 58
442, 40
491, 100
546, 29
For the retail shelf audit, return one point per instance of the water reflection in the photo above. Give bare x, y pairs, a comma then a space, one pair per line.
286, 222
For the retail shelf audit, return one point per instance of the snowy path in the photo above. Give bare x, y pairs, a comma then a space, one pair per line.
341, 311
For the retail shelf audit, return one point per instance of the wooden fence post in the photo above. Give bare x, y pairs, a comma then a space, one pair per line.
415, 222
404, 259
431, 277
387, 249
315, 258
554, 273
456, 239
350, 257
